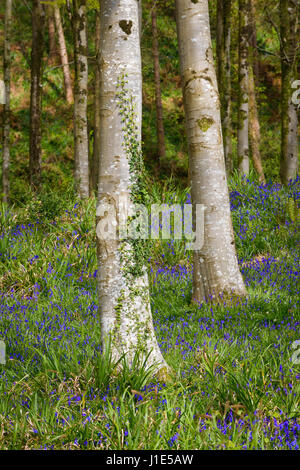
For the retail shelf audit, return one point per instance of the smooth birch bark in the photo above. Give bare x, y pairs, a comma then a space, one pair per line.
63, 56
6, 107
81, 147
124, 304
289, 29
97, 135
161, 147
38, 23
243, 106
216, 269
224, 76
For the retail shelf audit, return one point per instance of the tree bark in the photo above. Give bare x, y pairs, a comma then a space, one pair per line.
6, 108
216, 269
220, 44
243, 111
140, 2
289, 31
63, 56
254, 127
80, 99
51, 33
158, 102
253, 41
97, 135
124, 304
224, 76
38, 22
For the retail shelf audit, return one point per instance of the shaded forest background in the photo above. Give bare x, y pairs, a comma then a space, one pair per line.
57, 114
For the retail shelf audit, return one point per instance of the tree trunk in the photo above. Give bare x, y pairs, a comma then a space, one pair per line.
216, 268
220, 44
69, 9
243, 111
224, 76
254, 127
38, 22
97, 136
159, 108
140, 2
289, 29
80, 99
124, 304
6, 109
63, 56
51, 32
253, 41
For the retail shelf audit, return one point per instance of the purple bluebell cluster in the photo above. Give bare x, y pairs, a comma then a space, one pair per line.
236, 385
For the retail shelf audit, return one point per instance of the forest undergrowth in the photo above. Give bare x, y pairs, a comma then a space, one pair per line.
236, 381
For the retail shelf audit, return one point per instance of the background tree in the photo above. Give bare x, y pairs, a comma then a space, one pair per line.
63, 55
223, 40
97, 135
254, 126
215, 265
51, 33
123, 289
161, 147
140, 2
81, 149
6, 107
243, 105
253, 39
38, 23
289, 40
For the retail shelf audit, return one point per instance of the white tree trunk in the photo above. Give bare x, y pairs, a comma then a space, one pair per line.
289, 29
97, 135
292, 159
124, 303
243, 113
6, 111
215, 265
80, 99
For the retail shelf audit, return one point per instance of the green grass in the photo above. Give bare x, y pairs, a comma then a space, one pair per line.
234, 384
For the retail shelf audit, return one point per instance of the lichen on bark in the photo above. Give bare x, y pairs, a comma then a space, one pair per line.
205, 123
